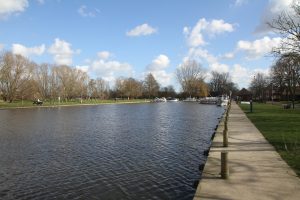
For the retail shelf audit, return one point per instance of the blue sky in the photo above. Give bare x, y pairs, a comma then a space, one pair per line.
112, 38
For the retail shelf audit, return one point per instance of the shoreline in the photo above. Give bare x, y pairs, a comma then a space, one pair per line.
73, 105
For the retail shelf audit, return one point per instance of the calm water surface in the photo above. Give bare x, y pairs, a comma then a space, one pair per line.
138, 151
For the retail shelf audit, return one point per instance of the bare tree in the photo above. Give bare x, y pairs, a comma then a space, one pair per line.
42, 78
15, 70
286, 74
189, 75
133, 88
151, 86
120, 87
288, 26
219, 83
258, 86
82, 81
102, 88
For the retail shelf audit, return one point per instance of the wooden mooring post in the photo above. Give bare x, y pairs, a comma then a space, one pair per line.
224, 165
225, 131
224, 154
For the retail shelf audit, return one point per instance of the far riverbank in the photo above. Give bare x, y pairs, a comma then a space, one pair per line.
48, 104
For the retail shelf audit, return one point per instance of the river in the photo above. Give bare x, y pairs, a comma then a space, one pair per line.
129, 151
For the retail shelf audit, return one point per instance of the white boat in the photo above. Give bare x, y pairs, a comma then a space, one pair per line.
208, 100
190, 99
170, 99
163, 99
223, 101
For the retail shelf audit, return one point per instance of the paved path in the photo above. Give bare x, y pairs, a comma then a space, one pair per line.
256, 169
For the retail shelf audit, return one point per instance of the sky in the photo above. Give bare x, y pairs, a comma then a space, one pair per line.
131, 38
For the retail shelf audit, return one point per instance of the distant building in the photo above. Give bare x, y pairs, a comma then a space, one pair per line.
244, 95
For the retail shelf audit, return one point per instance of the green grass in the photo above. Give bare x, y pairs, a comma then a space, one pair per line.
26, 103
281, 127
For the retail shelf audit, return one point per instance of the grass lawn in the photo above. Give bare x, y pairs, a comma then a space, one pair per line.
25, 103
281, 127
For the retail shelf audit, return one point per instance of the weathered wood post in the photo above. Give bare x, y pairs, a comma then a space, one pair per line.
225, 131
224, 165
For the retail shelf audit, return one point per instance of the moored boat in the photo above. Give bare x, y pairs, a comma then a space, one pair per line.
190, 99
163, 99
170, 99
208, 100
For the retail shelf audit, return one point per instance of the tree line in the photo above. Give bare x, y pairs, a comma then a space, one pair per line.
21, 78
283, 83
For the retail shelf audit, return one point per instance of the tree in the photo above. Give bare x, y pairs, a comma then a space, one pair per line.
168, 91
190, 74
15, 71
258, 86
42, 78
102, 88
219, 83
288, 26
120, 87
151, 86
82, 80
132, 88
286, 74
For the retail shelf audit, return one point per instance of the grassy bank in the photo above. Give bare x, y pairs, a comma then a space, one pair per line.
281, 127
26, 104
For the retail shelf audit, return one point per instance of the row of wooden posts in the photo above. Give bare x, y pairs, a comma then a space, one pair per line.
224, 153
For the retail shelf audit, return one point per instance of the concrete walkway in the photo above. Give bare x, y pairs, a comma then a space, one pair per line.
256, 171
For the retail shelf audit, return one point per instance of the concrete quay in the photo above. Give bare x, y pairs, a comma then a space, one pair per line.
256, 170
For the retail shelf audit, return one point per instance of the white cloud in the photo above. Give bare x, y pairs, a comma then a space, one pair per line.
141, 30
229, 55
41, 1
204, 56
104, 55
274, 8
219, 67
62, 52
109, 70
158, 69
163, 78
240, 2
159, 63
258, 48
219, 26
1, 47
195, 35
9, 7
84, 11
28, 51
109, 67
241, 75
84, 68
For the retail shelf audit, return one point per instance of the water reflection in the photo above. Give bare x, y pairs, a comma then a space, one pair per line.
145, 151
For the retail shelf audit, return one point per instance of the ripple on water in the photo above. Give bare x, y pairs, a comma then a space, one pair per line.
145, 151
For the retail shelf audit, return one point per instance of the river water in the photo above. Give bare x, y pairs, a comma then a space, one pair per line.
130, 151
